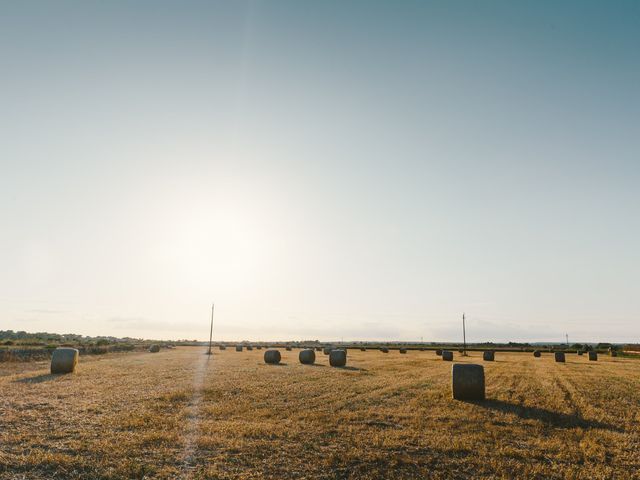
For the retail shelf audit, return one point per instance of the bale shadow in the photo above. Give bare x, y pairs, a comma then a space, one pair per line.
45, 377
549, 417
352, 369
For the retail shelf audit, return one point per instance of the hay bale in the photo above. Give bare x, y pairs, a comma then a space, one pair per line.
467, 381
238, 348
272, 357
308, 357
64, 360
154, 348
288, 349
249, 347
318, 349
593, 356
259, 347
580, 352
559, 357
326, 350
537, 354
489, 356
447, 355
439, 353
362, 349
403, 350
384, 350
613, 353
222, 347
338, 358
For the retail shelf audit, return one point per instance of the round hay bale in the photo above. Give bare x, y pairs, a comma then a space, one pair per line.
559, 356
272, 356
326, 350
593, 356
318, 349
403, 350
249, 347
238, 348
580, 352
447, 355
537, 354
467, 381
222, 347
614, 353
288, 349
154, 348
384, 350
338, 358
64, 360
259, 347
362, 349
308, 357
489, 356
439, 353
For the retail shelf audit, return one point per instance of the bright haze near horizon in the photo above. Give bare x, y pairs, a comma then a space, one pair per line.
321, 170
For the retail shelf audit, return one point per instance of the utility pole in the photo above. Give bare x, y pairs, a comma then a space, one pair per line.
211, 331
566, 335
464, 337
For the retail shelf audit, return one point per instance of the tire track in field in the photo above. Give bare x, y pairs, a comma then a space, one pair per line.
192, 430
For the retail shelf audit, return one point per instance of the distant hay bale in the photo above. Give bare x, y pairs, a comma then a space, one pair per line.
338, 358
467, 381
238, 348
326, 350
593, 356
384, 349
308, 357
318, 349
249, 347
259, 347
613, 353
288, 349
222, 347
403, 350
537, 354
447, 355
559, 357
64, 360
439, 353
362, 349
154, 348
488, 356
272, 356
580, 352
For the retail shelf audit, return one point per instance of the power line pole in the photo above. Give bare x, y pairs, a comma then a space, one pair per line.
566, 335
464, 336
211, 331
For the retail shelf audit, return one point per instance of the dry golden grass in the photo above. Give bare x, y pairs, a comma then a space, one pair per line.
181, 414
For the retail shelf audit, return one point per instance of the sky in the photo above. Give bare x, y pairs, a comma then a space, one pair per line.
359, 170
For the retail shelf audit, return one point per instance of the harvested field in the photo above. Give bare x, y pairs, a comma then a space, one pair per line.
183, 414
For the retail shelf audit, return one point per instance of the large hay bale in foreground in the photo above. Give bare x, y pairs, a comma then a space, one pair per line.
447, 355
559, 357
272, 356
338, 358
64, 360
403, 350
537, 354
489, 356
238, 348
154, 348
308, 357
439, 353
593, 356
384, 350
467, 381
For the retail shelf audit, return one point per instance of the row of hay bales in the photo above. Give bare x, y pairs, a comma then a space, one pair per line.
337, 357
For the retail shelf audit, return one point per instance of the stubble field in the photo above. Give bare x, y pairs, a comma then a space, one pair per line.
182, 414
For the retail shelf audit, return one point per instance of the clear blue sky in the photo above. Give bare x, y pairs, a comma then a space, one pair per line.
366, 170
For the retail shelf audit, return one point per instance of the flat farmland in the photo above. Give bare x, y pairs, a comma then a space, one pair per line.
182, 414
